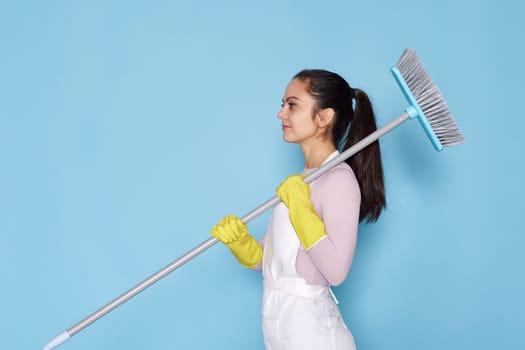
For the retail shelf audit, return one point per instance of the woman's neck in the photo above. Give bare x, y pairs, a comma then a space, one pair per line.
315, 155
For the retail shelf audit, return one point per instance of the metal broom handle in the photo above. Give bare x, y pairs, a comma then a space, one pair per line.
247, 218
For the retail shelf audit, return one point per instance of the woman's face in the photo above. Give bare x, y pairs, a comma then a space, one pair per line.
296, 113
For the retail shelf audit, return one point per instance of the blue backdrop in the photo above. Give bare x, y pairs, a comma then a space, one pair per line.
129, 128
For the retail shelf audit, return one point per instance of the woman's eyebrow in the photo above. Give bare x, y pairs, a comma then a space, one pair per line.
291, 98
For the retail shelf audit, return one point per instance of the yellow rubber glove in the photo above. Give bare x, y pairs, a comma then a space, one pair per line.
295, 193
233, 232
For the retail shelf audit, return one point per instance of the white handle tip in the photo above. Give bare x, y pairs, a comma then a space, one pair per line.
56, 341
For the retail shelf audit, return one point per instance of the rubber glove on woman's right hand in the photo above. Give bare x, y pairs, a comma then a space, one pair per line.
233, 232
295, 194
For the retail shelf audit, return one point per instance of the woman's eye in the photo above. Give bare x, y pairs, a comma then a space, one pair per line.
290, 105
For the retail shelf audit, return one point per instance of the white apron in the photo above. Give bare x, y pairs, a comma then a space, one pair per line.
296, 315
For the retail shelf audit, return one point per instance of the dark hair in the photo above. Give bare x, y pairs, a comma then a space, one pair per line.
330, 90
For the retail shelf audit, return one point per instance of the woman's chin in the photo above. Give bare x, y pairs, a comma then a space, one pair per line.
288, 138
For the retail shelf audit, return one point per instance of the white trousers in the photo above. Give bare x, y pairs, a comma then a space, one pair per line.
297, 316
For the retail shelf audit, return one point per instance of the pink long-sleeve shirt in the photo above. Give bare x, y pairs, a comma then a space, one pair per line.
336, 199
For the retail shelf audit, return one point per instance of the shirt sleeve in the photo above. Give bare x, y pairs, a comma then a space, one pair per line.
336, 200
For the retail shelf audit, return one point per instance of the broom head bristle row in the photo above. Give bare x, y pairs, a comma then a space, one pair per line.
429, 99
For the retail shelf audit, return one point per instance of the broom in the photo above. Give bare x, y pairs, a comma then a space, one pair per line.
426, 104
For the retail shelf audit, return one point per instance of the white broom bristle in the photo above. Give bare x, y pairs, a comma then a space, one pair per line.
429, 99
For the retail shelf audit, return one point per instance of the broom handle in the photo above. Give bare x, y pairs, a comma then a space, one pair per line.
247, 218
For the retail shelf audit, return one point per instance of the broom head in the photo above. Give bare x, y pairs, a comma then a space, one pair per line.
426, 102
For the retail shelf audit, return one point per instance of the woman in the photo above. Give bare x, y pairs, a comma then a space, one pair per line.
310, 241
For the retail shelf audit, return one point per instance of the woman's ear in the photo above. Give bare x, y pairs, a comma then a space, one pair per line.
325, 117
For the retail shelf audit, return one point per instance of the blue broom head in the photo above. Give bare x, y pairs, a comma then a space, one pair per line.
426, 102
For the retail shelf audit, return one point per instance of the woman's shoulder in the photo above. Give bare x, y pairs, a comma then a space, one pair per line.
340, 171
339, 177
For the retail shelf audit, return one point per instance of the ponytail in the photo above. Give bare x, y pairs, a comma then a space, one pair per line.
366, 164
330, 90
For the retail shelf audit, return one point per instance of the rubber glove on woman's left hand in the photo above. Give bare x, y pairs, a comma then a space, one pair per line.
295, 193
233, 232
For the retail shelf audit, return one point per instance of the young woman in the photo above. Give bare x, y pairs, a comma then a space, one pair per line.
310, 241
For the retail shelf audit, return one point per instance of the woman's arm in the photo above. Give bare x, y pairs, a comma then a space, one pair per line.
336, 198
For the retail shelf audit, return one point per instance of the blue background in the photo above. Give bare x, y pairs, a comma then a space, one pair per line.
129, 128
